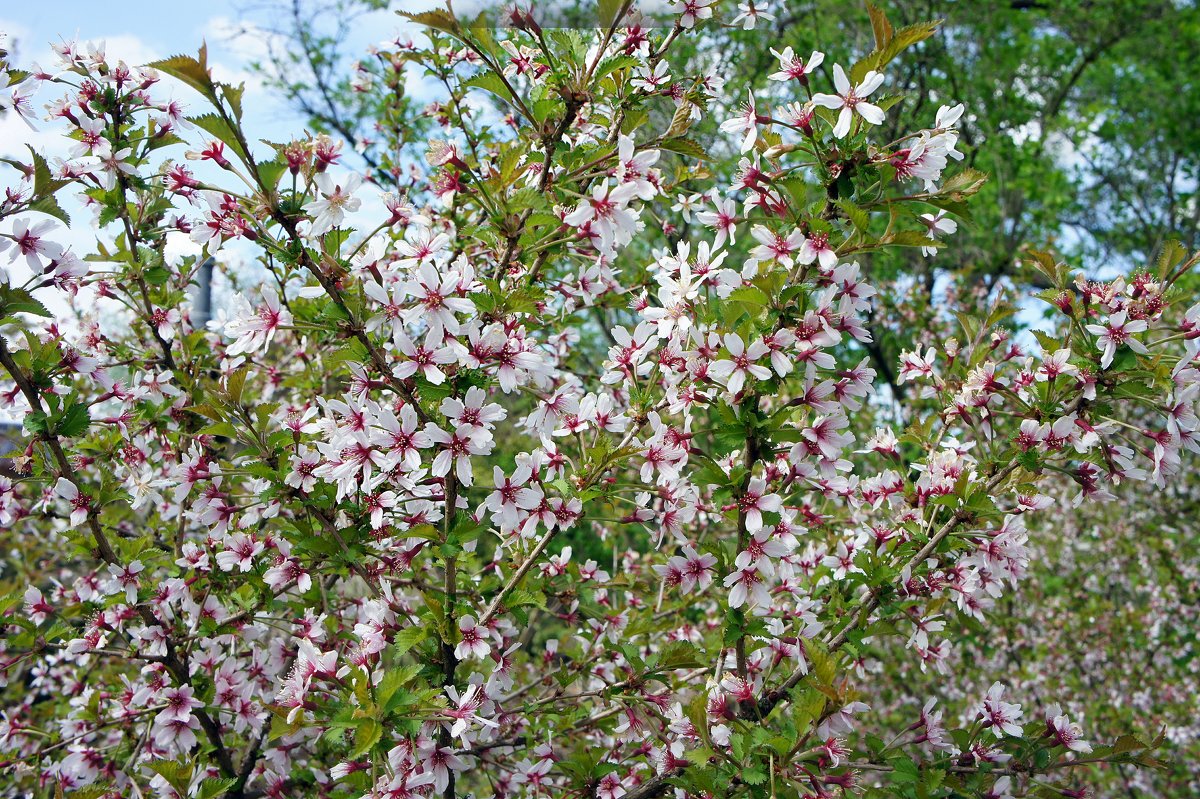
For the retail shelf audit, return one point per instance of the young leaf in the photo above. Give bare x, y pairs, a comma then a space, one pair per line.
192, 71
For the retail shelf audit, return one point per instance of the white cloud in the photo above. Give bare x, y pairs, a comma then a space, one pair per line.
14, 36
128, 48
247, 41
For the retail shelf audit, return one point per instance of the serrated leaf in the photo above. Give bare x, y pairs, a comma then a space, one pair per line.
1127, 743
157, 275
218, 127
1173, 253
407, 638
49, 205
898, 42
233, 96
518, 599
904, 770
751, 296
680, 121
44, 183
36, 422
177, 774
14, 301
608, 11
685, 146
366, 735
438, 19
912, 238
697, 713
192, 71
393, 681
879, 24
823, 667
679, 655
491, 82
857, 216
906, 37
963, 184
74, 421
613, 64
270, 172
235, 384
212, 787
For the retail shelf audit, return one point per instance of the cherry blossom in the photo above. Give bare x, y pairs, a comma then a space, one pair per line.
793, 68
1117, 331
253, 328
851, 99
335, 201
741, 363
744, 124
591, 458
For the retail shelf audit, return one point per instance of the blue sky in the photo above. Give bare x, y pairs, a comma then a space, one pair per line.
139, 31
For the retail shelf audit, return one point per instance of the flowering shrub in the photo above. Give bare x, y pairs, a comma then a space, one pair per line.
396, 525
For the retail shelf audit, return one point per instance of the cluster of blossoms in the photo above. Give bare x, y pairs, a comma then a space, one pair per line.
396, 524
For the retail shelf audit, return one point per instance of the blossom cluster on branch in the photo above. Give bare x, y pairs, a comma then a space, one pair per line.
394, 526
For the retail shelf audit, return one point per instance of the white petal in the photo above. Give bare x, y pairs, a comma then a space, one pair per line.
840, 81
871, 81
828, 101
843, 124
871, 113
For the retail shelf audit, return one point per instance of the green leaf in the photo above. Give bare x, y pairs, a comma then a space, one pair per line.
44, 183
523, 598
192, 71
824, 669
857, 216
612, 64
366, 735
177, 774
236, 384
407, 638
36, 422
880, 25
1127, 743
219, 128
393, 681
49, 205
905, 38
904, 770
14, 301
752, 298
213, 787
438, 19
233, 96
679, 655
608, 10
912, 238
157, 275
74, 421
680, 121
963, 184
896, 43
269, 172
1172, 254
491, 82
685, 146
697, 713
1029, 460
